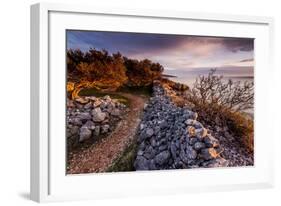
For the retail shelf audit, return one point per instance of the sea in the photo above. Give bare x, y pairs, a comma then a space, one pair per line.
189, 77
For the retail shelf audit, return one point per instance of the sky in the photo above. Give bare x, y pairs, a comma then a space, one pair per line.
174, 52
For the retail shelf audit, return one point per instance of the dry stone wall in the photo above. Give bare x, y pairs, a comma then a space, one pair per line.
170, 137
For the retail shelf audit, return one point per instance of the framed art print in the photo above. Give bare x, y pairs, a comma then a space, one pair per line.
147, 102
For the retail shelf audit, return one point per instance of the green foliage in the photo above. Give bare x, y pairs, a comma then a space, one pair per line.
145, 91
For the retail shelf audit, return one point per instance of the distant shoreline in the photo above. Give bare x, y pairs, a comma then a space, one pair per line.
168, 75
225, 76
240, 77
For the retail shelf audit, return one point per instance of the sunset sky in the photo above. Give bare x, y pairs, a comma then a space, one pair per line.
174, 52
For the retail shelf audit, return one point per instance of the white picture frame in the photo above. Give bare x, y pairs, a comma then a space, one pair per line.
49, 182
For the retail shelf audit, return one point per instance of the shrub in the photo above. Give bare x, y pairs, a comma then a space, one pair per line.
212, 89
222, 103
243, 129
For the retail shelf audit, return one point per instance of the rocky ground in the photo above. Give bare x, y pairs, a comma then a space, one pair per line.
170, 137
234, 152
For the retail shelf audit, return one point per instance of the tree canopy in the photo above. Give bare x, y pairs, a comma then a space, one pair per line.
95, 65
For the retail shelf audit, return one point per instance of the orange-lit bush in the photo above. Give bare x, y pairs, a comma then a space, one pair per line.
94, 65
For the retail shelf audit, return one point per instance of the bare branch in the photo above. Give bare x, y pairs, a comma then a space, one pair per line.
214, 90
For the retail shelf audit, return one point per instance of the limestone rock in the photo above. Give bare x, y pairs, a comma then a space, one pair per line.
98, 115
191, 131
141, 163
149, 132
82, 100
105, 128
115, 112
97, 131
88, 105
209, 153
70, 103
211, 141
170, 137
191, 153
85, 116
97, 103
162, 158
90, 125
76, 121
85, 133
199, 145
202, 132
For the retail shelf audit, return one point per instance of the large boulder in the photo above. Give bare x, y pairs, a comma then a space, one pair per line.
162, 157
97, 131
105, 128
85, 116
199, 145
146, 134
97, 103
149, 132
191, 131
209, 153
70, 104
74, 130
84, 134
88, 105
76, 121
98, 115
82, 100
90, 125
210, 141
202, 132
141, 163
191, 153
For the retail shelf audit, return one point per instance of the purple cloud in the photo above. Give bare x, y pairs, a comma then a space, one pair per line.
172, 51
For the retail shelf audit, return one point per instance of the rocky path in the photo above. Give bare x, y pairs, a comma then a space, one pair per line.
99, 156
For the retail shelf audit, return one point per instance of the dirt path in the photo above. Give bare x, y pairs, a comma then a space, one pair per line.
99, 156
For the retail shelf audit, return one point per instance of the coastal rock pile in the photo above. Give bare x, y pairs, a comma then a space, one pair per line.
170, 137
88, 117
